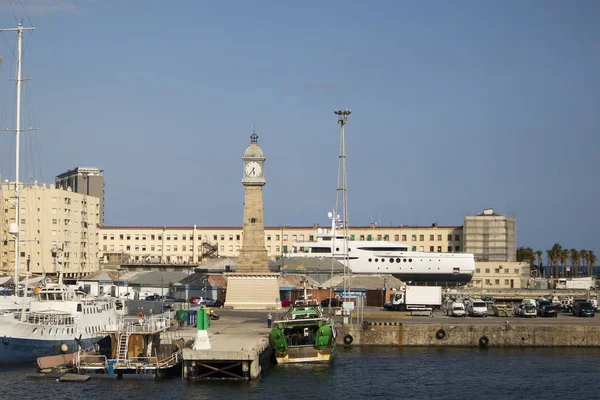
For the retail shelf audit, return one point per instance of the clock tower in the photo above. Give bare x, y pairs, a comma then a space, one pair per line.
253, 256
253, 286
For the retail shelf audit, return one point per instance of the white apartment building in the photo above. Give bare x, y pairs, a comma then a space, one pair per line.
58, 229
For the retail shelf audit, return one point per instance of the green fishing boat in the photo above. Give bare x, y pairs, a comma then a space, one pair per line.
303, 335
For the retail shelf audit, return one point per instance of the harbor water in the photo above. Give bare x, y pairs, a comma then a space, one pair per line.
358, 373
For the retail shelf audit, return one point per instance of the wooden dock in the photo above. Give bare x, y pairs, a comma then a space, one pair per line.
239, 351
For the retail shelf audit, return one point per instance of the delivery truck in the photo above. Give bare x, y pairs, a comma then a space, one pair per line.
415, 298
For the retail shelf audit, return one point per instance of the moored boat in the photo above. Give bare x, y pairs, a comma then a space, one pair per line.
59, 320
134, 348
304, 334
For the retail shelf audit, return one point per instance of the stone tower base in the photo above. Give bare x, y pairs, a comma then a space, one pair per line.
252, 291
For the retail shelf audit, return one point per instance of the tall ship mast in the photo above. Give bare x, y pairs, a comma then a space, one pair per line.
13, 229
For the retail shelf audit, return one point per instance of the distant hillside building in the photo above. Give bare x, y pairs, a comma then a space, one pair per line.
490, 236
84, 180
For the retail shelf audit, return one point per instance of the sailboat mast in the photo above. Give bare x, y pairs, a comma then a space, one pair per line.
19, 29
17, 150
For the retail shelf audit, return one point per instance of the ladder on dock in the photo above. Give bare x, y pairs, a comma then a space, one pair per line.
123, 346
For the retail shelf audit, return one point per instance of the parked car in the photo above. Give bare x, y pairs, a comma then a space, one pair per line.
458, 310
547, 309
170, 299
488, 299
331, 303
525, 310
286, 303
152, 297
583, 309
212, 302
477, 308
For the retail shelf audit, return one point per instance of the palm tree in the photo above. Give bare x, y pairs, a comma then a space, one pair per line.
549, 257
574, 262
591, 262
556, 254
584, 257
539, 260
564, 256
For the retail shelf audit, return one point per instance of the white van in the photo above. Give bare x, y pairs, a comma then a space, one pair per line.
478, 308
458, 310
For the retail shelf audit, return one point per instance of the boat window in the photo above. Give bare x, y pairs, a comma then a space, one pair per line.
377, 259
58, 296
321, 250
398, 260
370, 259
410, 260
327, 239
405, 260
34, 330
79, 307
391, 260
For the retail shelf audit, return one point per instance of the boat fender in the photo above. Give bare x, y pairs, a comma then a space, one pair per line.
484, 341
440, 334
348, 339
6, 340
140, 315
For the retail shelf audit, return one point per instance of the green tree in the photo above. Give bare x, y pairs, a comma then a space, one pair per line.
584, 257
574, 262
555, 254
591, 262
525, 254
549, 264
539, 260
564, 256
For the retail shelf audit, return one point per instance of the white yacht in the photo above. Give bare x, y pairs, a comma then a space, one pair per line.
375, 257
59, 320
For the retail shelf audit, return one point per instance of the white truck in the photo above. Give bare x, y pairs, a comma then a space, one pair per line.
576, 283
415, 298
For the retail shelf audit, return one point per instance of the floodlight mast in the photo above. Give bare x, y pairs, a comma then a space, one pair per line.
342, 190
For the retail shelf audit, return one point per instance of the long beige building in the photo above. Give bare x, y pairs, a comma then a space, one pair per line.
193, 244
58, 229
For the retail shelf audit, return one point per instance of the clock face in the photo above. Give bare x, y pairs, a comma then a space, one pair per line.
253, 169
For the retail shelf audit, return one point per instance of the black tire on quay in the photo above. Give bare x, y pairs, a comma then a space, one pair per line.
484, 341
440, 334
348, 339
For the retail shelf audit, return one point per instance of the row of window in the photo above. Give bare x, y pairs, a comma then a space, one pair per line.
55, 331
391, 260
489, 282
497, 270
185, 237
268, 237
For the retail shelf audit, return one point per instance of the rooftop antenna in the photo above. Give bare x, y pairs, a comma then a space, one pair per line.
342, 192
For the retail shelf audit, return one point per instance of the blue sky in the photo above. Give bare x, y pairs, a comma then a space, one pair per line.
457, 106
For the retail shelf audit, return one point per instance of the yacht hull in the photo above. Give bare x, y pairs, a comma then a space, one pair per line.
433, 278
20, 350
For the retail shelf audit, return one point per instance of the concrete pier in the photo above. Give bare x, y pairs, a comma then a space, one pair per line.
471, 335
239, 351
